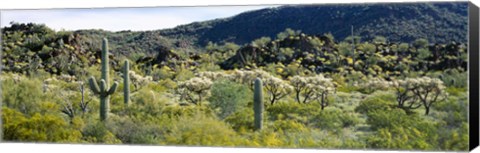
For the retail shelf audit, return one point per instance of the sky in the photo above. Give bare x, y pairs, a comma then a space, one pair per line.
118, 19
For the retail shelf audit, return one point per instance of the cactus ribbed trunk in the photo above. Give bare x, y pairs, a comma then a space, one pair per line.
126, 83
258, 104
105, 61
103, 91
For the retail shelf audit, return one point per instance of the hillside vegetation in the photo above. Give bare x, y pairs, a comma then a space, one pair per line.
317, 89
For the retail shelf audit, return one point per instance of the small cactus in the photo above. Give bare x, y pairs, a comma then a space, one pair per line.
103, 91
258, 104
126, 82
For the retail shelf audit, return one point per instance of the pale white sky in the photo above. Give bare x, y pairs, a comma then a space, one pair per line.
117, 19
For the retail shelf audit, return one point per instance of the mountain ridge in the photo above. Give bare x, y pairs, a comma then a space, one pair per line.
404, 22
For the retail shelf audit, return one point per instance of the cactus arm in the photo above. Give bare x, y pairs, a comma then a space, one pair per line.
113, 88
93, 85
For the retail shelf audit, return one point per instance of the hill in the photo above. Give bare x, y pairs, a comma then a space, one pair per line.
438, 22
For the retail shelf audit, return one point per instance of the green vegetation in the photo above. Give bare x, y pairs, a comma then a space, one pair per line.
289, 89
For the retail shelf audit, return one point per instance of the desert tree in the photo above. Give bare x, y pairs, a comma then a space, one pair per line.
429, 91
309, 88
322, 88
195, 89
276, 88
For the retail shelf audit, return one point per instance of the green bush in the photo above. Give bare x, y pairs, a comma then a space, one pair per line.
241, 120
400, 138
334, 119
292, 110
227, 97
37, 128
389, 119
143, 130
377, 101
201, 131
288, 126
97, 132
21, 93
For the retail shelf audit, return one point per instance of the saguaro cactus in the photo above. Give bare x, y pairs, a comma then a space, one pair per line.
258, 104
126, 82
103, 91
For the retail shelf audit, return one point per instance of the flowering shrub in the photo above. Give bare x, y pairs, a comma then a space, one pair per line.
139, 81
412, 93
195, 86
428, 91
312, 88
276, 88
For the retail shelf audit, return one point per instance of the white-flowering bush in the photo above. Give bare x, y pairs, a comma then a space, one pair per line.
377, 83
214, 75
428, 91
403, 90
312, 88
322, 88
412, 93
199, 86
139, 81
276, 88
67, 78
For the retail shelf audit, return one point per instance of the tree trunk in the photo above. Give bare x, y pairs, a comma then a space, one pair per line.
298, 96
427, 110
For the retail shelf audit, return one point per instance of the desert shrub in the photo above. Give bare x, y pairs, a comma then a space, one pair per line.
454, 139
227, 97
289, 126
241, 120
376, 101
334, 119
452, 111
200, 130
144, 101
21, 93
183, 74
37, 128
399, 138
98, 132
173, 111
292, 110
137, 130
389, 119
454, 78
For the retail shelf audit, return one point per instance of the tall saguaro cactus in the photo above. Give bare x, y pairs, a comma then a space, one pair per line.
258, 104
103, 91
126, 82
